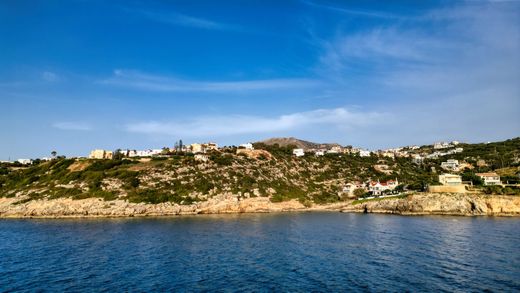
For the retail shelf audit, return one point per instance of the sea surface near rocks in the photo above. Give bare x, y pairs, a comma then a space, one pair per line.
317, 251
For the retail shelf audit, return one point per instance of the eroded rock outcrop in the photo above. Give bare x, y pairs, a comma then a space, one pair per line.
416, 204
443, 204
95, 207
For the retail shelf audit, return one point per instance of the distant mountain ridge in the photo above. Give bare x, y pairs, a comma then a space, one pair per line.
303, 144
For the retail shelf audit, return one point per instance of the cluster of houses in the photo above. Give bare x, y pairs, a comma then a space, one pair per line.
401, 152
195, 148
299, 152
489, 178
375, 188
438, 154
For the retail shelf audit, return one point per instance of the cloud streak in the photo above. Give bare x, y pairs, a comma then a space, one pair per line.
458, 69
157, 83
50, 76
77, 126
178, 19
218, 126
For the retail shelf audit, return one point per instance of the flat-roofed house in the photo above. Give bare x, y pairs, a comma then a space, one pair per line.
490, 178
100, 154
298, 152
450, 179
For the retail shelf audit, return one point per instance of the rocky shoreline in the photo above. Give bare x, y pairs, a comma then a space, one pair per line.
414, 204
454, 204
95, 207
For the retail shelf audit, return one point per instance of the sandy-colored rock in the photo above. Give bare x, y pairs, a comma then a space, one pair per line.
443, 204
416, 204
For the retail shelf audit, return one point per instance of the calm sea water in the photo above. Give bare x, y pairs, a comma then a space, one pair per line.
262, 252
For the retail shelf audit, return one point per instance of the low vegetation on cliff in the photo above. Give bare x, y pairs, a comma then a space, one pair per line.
182, 179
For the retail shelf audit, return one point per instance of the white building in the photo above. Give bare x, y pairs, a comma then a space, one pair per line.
319, 153
247, 146
441, 145
336, 149
417, 159
451, 165
491, 178
25, 161
377, 188
364, 153
298, 152
450, 179
351, 186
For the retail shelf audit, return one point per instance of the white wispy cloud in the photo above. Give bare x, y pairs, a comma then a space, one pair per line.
361, 13
80, 126
218, 126
50, 76
149, 82
459, 68
178, 19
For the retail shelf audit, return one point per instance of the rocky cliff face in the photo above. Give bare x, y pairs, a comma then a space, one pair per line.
443, 204
95, 207
416, 204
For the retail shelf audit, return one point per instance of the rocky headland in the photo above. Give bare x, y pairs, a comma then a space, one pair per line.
442, 204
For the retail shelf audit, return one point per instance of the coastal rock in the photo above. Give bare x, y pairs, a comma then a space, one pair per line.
415, 204
443, 204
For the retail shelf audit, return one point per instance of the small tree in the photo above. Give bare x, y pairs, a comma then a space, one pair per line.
358, 192
54, 153
118, 155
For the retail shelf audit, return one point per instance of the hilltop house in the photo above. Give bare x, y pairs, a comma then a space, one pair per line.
441, 145
319, 153
490, 178
25, 161
364, 153
247, 146
298, 152
451, 165
204, 147
100, 154
196, 148
450, 179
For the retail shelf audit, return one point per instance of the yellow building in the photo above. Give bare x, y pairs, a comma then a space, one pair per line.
101, 154
196, 148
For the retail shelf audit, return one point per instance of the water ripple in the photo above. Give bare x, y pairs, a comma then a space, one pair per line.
297, 252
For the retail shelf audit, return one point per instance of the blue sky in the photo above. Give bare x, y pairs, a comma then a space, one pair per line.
79, 75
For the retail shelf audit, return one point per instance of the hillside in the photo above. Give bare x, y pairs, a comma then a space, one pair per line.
181, 179
298, 143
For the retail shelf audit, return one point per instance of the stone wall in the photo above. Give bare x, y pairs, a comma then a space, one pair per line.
447, 188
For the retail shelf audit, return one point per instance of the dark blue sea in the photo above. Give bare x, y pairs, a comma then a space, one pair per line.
262, 252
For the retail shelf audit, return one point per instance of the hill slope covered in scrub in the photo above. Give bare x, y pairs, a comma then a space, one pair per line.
181, 179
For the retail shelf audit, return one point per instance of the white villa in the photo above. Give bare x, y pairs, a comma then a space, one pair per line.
298, 152
364, 153
25, 161
247, 146
450, 179
377, 188
451, 165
